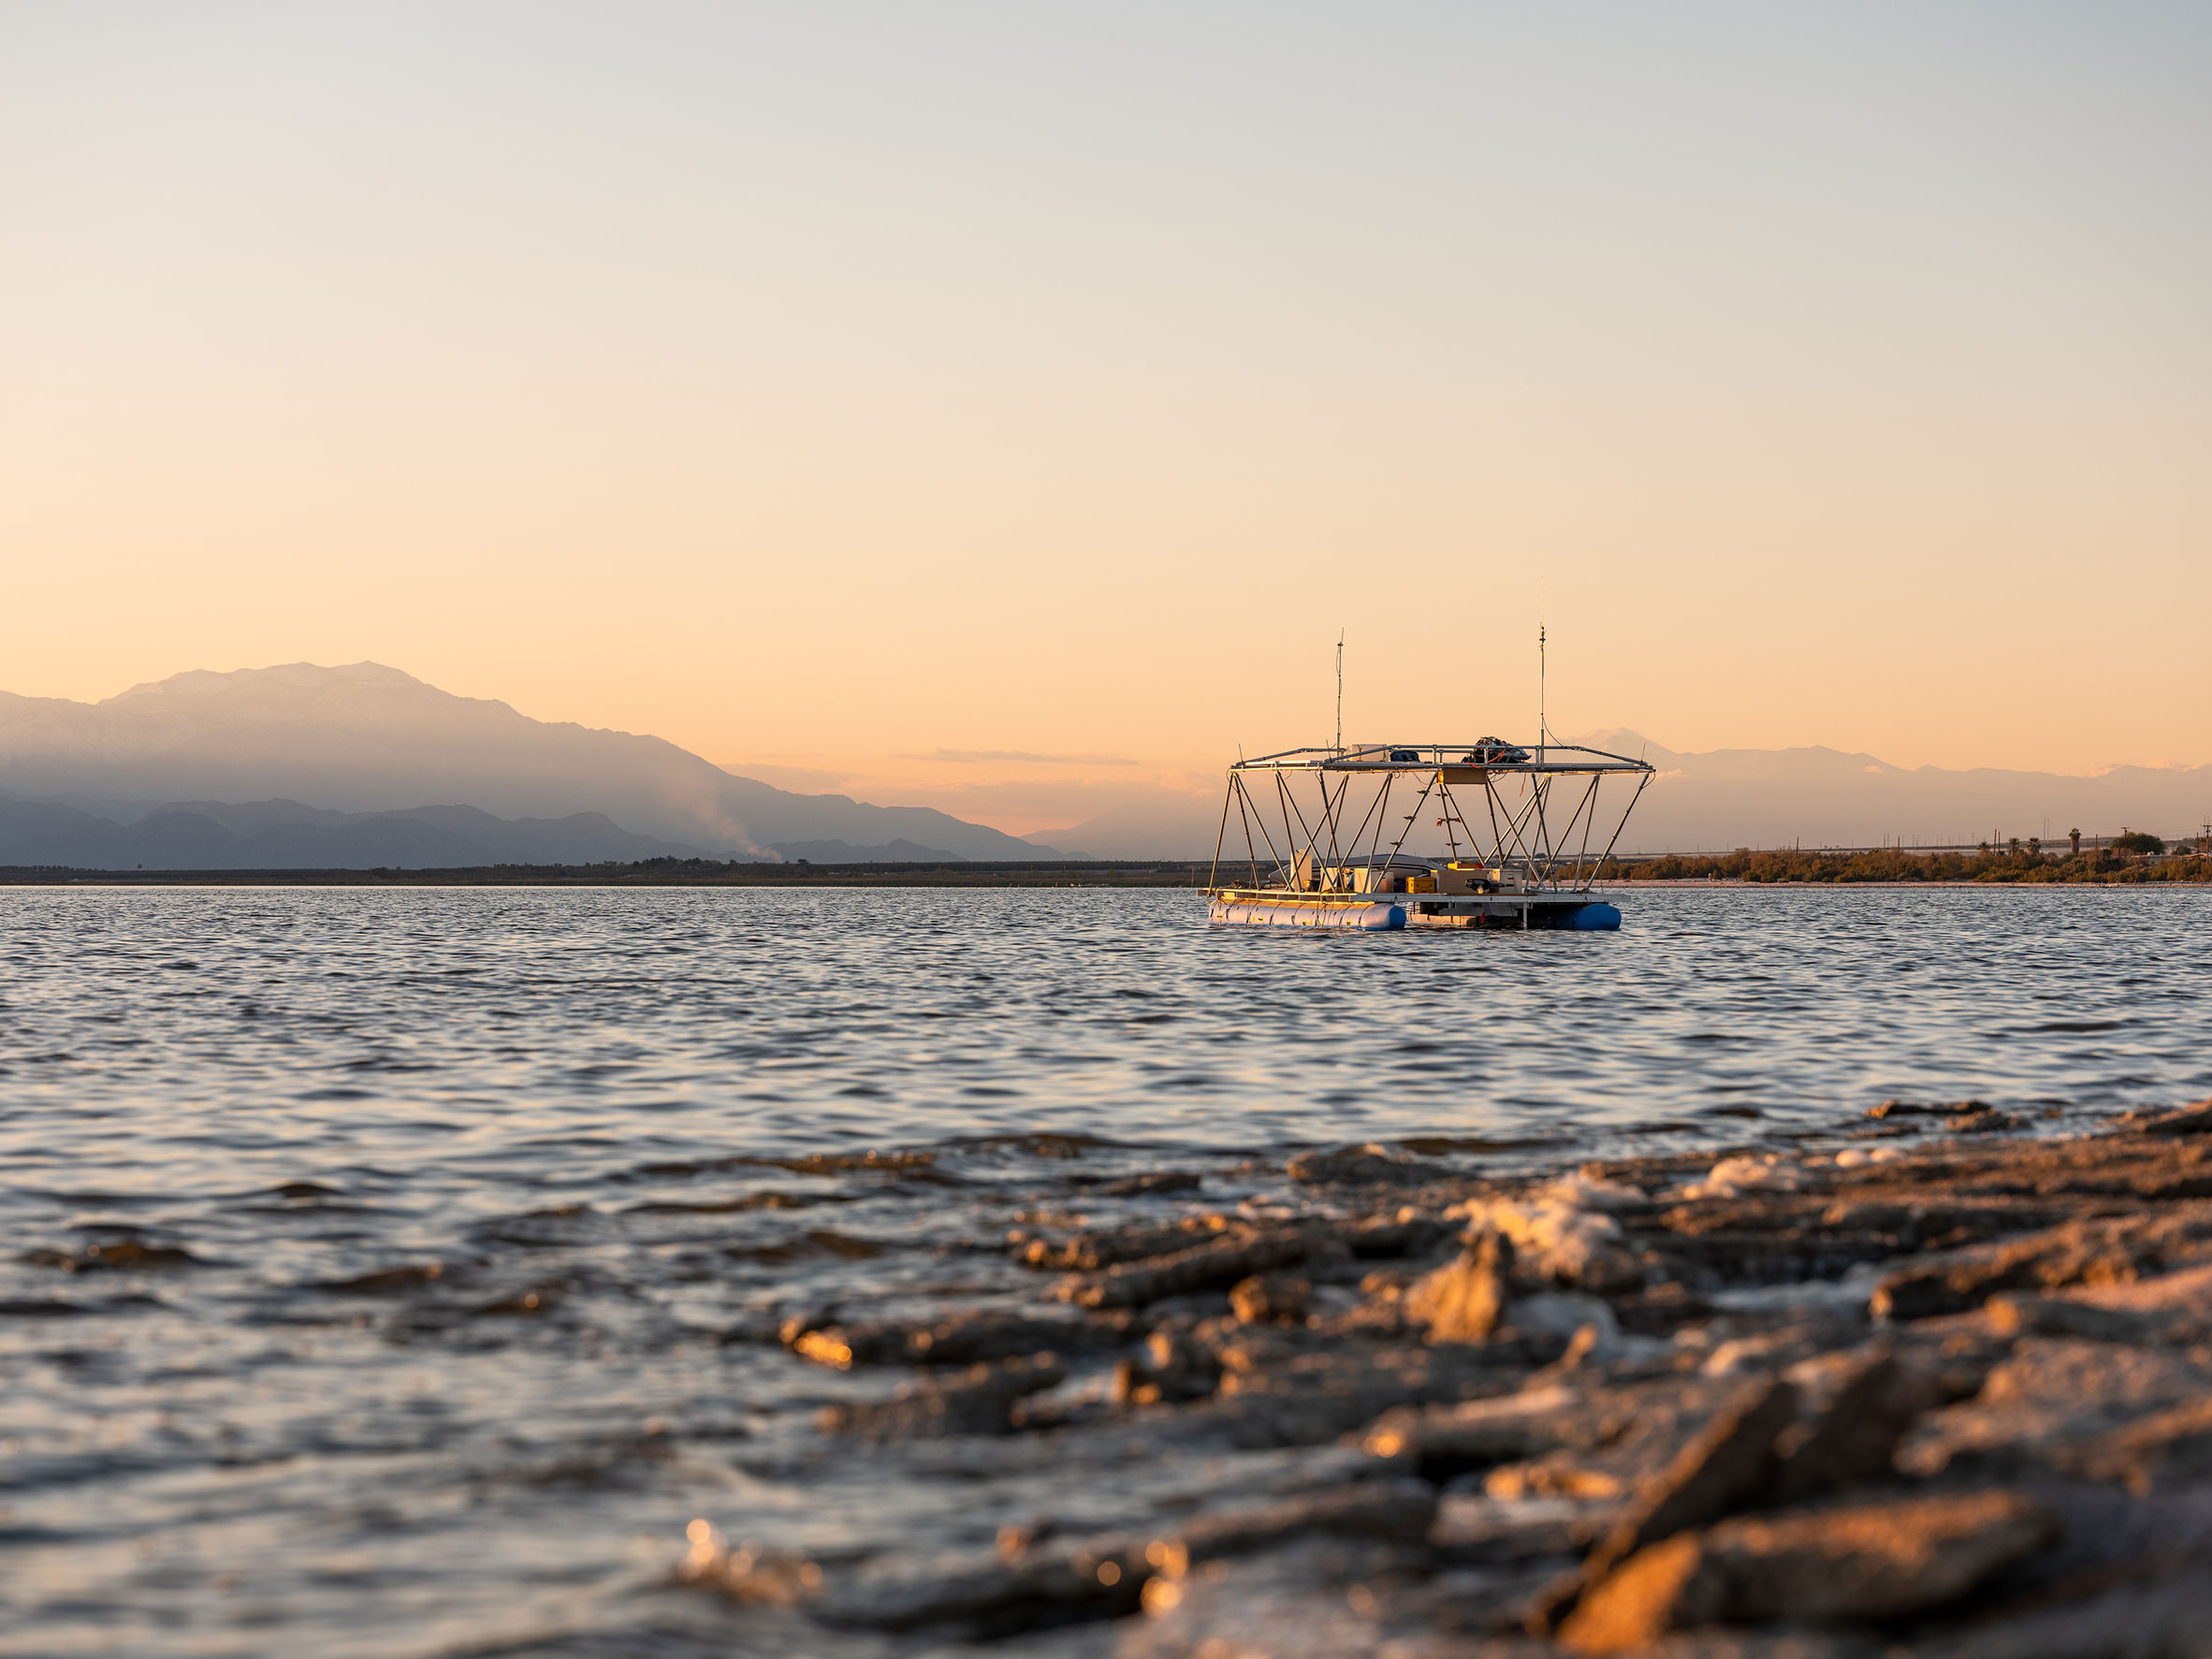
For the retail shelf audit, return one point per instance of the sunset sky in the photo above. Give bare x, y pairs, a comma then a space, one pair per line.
996, 406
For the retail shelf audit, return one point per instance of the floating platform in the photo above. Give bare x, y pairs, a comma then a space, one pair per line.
1577, 912
1513, 857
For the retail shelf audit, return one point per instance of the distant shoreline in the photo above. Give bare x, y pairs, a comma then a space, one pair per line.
655, 873
1182, 876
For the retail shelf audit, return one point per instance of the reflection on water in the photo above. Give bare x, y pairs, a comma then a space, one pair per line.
383, 1268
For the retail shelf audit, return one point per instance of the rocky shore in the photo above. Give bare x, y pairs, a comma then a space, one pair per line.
1944, 1387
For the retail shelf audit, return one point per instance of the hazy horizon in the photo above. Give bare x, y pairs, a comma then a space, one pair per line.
368, 737
1003, 410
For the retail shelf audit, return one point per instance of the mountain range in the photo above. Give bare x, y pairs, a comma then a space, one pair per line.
364, 766
146, 778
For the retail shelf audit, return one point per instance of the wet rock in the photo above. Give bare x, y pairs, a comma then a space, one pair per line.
837, 1163
1089, 1252
2146, 1616
1444, 1441
1461, 1301
963, 1339
982, 1400
1311, 1397
390, 1281
1178, 1353
2185, 1120
1563, 1316
997, 1595
1038, 1578
1983, 1120
813, 1243
1862, 1402
115, 1256
2105, 1250
2057, 1404
1406, 1233
1726, 1463
1175, 1365
1368, 1165
1212, 1266
1316, 1597
1271, 1299
2017, 1314
1857, 1563
1398, 1510
1158, 1184
1474, 1528
2162, 1447
2184, 1296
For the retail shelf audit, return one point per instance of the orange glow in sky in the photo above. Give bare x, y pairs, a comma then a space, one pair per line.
986, 405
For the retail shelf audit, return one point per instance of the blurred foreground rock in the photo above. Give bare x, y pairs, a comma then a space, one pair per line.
1950, 1395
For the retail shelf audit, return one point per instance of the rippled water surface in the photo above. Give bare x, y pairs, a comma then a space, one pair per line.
384, 1268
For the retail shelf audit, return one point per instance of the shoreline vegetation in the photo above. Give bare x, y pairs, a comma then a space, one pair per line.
1929, 1379
2103, 865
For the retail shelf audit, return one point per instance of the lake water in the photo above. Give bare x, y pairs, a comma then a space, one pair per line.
383, 1267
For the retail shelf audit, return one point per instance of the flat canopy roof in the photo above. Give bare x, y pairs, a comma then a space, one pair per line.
1430, 757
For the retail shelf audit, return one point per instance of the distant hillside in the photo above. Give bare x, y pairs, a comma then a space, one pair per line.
1759, 797
1823, 797
288, 835
368, 740
845, 852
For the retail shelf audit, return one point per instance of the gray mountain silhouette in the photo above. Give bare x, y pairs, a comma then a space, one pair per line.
368, 739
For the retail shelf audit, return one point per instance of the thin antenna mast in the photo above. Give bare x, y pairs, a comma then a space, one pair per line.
1543, 730
1340, 690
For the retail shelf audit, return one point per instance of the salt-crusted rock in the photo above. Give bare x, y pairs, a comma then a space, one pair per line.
1732, 1177
1557, 1241
1857, 1562
1852, 1157
1591, 1192
1461, 1301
